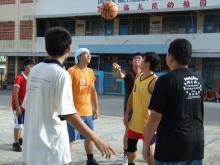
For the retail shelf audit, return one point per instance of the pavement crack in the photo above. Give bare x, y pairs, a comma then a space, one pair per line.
211, 141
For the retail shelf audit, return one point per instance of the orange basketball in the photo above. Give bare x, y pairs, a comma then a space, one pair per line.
109, 10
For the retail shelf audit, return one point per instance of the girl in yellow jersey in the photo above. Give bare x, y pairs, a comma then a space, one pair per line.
138, 104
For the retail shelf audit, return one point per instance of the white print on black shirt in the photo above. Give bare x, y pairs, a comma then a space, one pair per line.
192, 87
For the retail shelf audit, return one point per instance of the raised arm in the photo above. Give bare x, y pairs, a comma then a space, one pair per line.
118, 70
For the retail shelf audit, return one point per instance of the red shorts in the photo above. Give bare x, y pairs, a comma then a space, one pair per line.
135, 135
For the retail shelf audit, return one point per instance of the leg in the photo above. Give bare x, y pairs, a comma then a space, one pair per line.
125, 140
17, 133
88, 144
125, 143
132, 148
131, 157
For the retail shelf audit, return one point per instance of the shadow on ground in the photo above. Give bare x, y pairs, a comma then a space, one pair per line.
6, 147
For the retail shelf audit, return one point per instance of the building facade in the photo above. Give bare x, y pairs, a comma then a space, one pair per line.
141, 26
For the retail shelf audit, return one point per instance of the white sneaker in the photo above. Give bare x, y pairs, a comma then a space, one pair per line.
125, 160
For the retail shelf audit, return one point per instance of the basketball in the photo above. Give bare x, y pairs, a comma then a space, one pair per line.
109, 10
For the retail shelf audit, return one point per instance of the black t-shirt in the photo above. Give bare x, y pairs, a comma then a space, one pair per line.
129, 83
180, 135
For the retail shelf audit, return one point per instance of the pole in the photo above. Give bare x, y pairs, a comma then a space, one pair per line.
1, 78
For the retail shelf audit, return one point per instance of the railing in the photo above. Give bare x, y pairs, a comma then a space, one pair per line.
15, 46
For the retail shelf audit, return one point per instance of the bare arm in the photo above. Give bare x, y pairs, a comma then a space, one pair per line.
128, 109
118, 70
16, 99
151, 87
94, 98
78, 124
149, 130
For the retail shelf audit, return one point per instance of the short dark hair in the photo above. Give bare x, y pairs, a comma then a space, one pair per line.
28, 62
181, 50
57, 40
137, 54
153, 58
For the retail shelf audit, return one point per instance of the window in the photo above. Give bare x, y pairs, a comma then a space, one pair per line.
134, 26
26, 28
41, 28
54, 23
108, 28
140, 26
69, 25
4, 2
26, 1
212, 23
179, 24
7, 30
98, 27
123, 27
44, 24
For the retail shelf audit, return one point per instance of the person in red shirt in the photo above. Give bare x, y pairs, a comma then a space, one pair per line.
210, 95
18, 94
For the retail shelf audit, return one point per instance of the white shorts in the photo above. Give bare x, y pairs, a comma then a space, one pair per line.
18, 121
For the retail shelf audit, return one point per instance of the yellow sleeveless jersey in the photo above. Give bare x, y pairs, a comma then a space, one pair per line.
140, 102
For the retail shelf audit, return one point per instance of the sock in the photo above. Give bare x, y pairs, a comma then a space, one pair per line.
131, 163
90, 157
125, 152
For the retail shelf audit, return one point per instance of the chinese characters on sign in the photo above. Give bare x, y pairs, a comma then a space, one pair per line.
170, 5
186, 4
202, 3
144, 5
140, 7
154, 6
99, 8
126, 7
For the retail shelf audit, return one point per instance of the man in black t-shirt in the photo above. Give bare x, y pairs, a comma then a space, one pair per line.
129, 77
177, 112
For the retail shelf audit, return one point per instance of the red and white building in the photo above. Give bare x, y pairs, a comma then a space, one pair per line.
141, 26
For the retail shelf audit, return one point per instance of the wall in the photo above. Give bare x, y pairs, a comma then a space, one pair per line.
88, 7
199, 41
16, 13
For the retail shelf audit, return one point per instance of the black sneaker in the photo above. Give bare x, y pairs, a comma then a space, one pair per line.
20, 141
16, 147
92, 162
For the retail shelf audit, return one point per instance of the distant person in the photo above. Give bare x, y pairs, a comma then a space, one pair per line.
85, 99
18, 94
129, 78
218, 95
176, 112
138, 104
49, 106
210, 95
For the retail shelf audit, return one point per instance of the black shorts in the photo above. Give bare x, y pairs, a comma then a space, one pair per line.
132, 144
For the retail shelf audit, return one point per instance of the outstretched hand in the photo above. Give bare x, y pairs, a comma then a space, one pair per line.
146, 152
116, 67
105, 149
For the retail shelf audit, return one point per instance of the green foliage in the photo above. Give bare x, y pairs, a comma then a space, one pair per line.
2, 59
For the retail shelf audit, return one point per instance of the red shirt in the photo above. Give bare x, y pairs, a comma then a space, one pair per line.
20, 81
